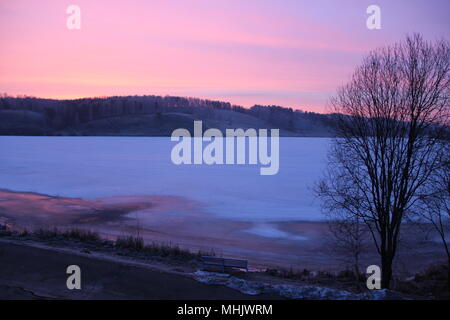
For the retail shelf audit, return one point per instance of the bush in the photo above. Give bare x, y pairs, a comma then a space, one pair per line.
130, 242
46, 234
158, 249
72, 234
82, 235
433, 282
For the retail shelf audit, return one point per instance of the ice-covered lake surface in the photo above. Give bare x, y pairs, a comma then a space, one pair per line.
129, 186
95, 167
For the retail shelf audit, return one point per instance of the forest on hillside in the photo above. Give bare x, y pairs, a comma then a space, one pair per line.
147, 115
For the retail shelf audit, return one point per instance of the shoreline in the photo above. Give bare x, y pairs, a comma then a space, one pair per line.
173, 220
167, 219
33, 267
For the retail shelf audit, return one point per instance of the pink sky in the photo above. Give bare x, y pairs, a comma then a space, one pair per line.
292, 53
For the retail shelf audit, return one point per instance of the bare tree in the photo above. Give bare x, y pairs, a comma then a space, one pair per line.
389, 122
435, 204
348, 240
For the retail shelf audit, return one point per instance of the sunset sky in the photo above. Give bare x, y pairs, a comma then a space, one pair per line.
292, 53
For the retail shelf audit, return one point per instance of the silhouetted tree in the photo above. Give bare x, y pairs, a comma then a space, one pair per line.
389, 124
435, 203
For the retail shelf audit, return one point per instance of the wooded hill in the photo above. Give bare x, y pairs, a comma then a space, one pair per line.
148, 116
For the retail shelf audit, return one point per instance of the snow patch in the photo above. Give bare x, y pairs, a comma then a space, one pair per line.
290, 291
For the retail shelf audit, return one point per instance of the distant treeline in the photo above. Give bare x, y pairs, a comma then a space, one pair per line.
36, 116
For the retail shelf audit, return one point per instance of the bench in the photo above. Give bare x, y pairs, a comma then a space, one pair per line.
224, 263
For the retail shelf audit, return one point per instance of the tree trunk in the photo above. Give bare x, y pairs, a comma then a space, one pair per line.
448, 272
356, 267
386, 270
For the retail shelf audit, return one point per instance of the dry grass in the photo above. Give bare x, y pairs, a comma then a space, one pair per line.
124, 244
156, 248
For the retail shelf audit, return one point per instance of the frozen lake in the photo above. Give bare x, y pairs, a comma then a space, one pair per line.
94, 167
129, 186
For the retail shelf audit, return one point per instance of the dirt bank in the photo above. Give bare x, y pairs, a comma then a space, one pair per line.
29, 272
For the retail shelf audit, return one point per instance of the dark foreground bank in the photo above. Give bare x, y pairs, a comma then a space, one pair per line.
34, 266
37, 273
